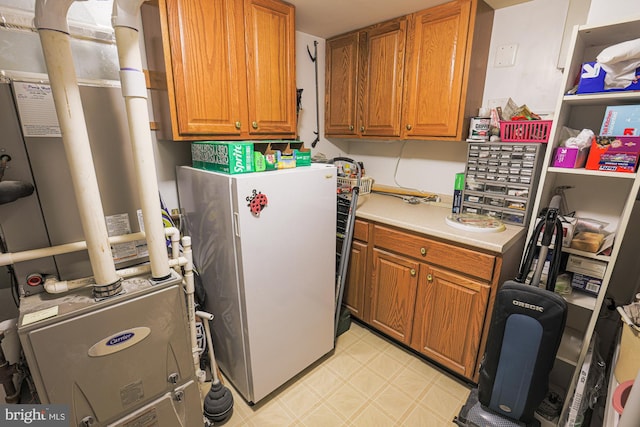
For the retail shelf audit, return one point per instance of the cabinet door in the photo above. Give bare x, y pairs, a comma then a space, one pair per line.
270, 39
383, 47
393, 292
434, 82
341, 85
206, 42
449, 315
355, 282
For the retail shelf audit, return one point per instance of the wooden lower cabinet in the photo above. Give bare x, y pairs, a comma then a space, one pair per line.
356, 280
354, 291
449, 315
430, 295
394, 281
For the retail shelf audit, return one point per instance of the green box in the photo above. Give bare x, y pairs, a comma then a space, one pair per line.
232, 157
303, 158
303, 154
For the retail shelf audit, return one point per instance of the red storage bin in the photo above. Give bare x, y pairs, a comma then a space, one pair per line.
525, 130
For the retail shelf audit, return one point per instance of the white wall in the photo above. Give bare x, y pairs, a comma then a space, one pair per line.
603, 11
534, 79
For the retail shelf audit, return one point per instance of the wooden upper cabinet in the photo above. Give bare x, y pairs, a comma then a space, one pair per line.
209, 45
435, 70
382, 74
446, 70
341, 85
420, 76
217, 67
270, 38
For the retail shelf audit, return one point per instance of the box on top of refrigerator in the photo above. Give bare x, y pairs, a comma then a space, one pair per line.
232, 157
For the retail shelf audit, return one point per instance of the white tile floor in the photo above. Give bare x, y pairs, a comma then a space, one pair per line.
367, 381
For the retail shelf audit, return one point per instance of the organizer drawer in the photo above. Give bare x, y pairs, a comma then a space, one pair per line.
453, 257
361, 230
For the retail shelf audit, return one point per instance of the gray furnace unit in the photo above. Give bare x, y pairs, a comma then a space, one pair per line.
123, 361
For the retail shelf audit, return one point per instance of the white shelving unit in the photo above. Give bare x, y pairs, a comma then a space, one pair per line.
604, 196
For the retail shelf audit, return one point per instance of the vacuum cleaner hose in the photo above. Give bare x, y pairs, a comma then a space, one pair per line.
550, 218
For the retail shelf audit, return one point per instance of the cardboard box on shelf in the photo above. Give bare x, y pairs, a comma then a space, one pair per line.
621, 120
570, 157
587, 266
586, 283
614, 153
592, 80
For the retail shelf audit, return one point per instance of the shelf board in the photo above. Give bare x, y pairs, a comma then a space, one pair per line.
589, 172
581, 299
609, 34
570, 346
609, 98
605, 258
591, 255
545, 422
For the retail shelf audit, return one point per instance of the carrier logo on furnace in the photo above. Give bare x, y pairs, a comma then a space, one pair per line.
527, 305
119, 341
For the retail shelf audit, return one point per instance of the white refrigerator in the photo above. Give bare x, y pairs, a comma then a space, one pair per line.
265, 246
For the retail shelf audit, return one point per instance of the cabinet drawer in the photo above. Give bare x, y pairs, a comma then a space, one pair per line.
455, 258
361, 230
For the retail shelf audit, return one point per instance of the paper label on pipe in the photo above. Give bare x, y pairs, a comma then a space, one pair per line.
39, 315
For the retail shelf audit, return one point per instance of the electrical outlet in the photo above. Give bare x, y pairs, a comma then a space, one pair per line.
506, 55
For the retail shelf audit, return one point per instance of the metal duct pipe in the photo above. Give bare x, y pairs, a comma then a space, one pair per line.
51, 22
125, 21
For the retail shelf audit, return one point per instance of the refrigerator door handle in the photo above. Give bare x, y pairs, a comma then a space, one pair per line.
236, 224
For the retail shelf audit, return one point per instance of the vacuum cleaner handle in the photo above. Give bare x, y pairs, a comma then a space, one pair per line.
550, 220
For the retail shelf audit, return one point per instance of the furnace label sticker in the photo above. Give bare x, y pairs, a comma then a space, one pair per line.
37, 109
39, 315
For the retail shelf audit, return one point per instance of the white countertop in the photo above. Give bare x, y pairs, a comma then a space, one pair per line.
429, 219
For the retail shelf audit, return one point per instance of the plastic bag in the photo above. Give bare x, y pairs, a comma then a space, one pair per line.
594, 387
574, 138
620, 62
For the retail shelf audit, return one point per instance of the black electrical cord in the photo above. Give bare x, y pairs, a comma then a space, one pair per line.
15, 289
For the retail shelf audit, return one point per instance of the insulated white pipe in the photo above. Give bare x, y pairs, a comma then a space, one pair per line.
50, 20
54, 286
190, 291
134, 89
9, 258
206, 318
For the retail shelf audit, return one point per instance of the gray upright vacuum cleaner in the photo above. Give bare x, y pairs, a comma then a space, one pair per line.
524, 336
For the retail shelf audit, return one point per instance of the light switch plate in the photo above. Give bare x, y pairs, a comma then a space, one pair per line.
506, 55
